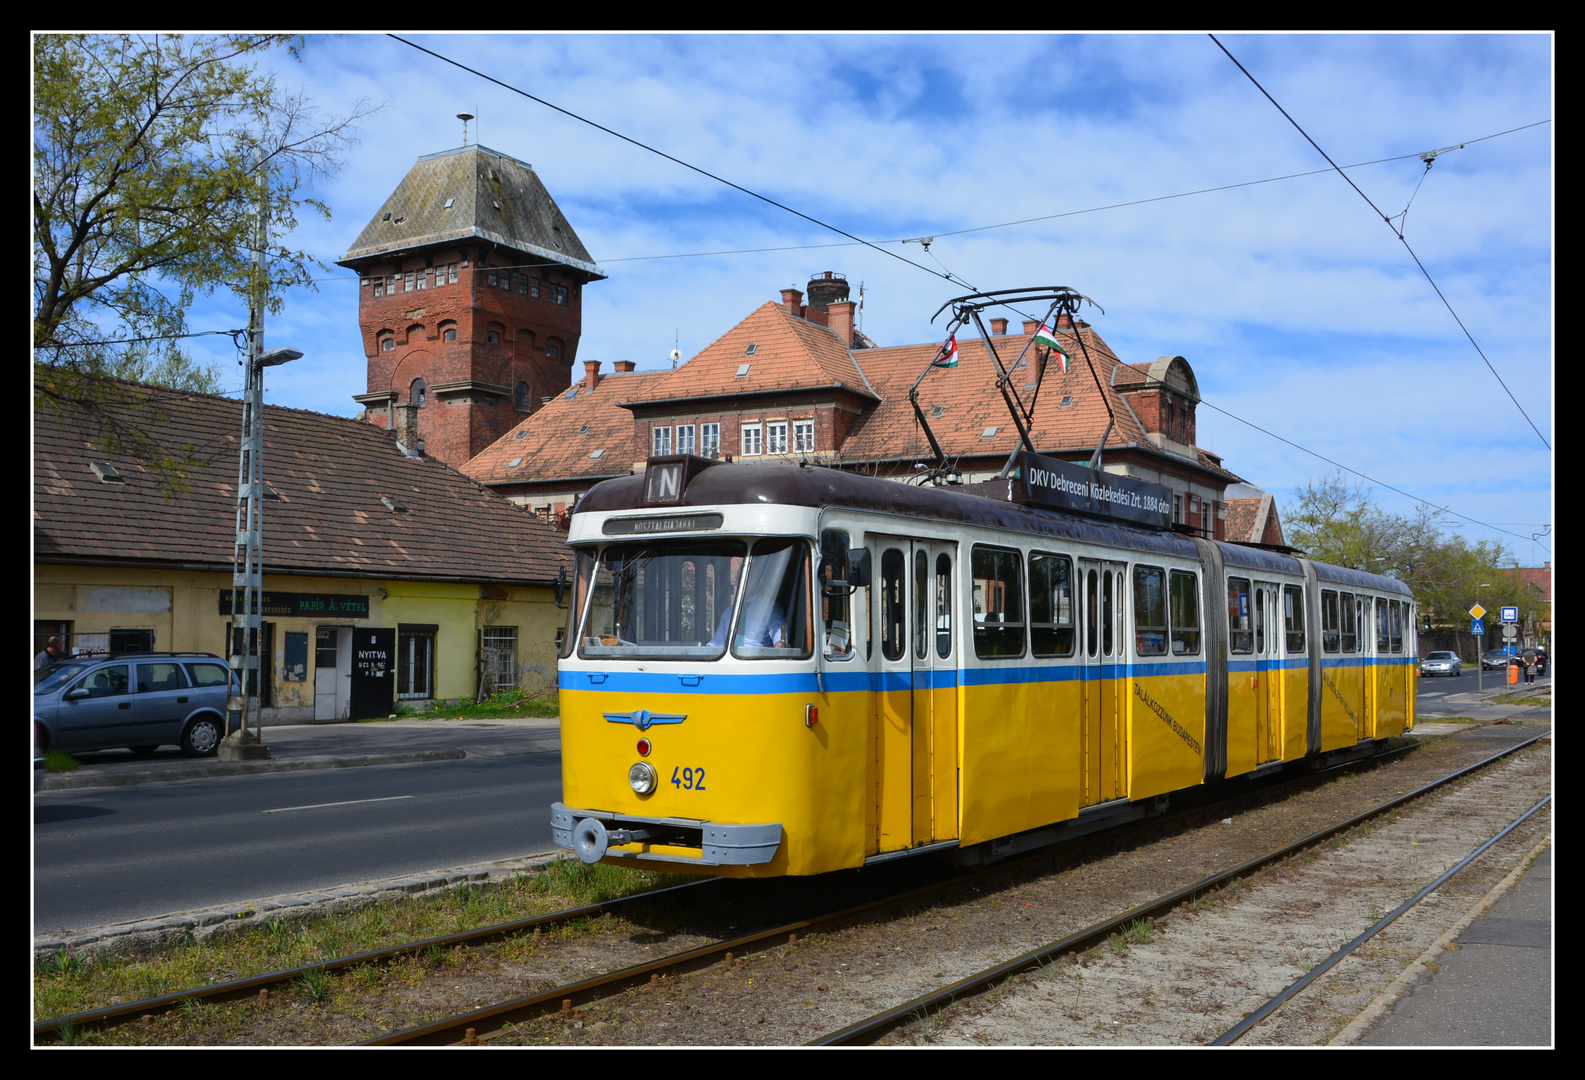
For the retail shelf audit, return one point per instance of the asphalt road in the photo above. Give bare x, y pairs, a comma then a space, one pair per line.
107, 855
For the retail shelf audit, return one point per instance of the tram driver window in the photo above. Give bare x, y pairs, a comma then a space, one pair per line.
774, 623
998, 602
1150, 611
836, 605
1241, 637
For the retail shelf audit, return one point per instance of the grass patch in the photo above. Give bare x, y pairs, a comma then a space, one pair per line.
64, 984
55, 761
1524, 697
507, 703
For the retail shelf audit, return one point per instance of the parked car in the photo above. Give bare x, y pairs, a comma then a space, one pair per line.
136, 700
1441, 663
1496, 660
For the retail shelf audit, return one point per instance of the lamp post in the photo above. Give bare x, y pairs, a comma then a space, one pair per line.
247, 574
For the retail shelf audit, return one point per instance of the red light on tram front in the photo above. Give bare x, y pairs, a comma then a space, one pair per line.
811, 716
644, 748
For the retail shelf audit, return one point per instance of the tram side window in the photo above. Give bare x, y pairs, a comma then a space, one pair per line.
998, 602
1240, 636
921, 602
1150, 611
1051, 614
891, 611
1350, 639
1330, 632
836, 608
1383, 634
1185, 613
943, 605
774, 624
1293, 617
1395, 613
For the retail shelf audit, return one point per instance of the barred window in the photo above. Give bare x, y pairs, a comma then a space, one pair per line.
498, 659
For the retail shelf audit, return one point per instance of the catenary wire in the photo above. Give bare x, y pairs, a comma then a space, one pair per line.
676, 160
1395, 232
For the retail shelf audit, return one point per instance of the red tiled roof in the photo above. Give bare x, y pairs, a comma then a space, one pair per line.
790, 353
553, 445
971, 402
330, 473
1241, 515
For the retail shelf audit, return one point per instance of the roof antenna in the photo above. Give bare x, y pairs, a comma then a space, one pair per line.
676, 350
464, 117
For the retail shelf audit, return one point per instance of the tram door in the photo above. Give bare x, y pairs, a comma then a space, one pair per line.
1103, 735
916, 756
1269, 627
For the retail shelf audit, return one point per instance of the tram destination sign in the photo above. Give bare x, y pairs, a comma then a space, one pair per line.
1059, 485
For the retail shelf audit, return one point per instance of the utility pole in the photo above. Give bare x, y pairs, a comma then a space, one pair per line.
247, 572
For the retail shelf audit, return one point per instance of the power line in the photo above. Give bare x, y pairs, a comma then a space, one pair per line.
139, 340
1364, 476
676, 160
1396, 232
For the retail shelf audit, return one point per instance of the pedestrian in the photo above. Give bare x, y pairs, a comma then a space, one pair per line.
1529, 667
52, 654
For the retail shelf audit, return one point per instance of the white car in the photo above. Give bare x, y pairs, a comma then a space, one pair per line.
1441, 663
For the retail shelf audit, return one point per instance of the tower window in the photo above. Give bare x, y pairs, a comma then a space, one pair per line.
387, 343
493, 337
525, 396
449, 334
418, 393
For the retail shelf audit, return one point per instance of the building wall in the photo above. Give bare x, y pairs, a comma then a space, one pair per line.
456, 427
182, 608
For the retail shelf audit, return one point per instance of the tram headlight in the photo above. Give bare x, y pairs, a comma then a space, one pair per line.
641, 777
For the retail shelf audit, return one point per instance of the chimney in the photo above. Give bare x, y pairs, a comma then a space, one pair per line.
826, 289
793, 300
998, 327
839, 316
1064, 322
591, 374
625, 365
407, 428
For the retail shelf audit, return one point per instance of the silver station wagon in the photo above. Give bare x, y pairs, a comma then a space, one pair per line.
136, 700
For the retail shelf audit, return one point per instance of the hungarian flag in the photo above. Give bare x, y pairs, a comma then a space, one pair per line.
1048, 337
948, 356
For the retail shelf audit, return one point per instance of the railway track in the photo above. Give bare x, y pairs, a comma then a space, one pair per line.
868, 1030
491, 1021
483, 1025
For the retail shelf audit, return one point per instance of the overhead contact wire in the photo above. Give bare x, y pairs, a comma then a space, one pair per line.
675, 160
1395, 232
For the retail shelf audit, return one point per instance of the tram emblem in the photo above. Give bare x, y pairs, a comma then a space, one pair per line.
643, 718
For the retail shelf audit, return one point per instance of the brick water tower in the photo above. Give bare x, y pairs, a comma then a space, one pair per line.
470, 300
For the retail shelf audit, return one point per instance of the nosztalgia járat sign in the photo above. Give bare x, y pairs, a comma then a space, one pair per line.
288, 605
1061, 486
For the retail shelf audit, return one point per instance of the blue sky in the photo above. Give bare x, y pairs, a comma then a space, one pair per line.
1297, 306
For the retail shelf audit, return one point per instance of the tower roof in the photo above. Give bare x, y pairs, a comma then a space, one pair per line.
472, 192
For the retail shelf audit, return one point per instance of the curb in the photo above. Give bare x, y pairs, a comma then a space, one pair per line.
71, 780
145, 936
1382, 1005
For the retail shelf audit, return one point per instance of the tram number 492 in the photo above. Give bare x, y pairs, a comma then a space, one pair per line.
687, 779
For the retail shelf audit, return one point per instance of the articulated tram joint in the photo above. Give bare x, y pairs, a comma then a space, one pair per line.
592, 834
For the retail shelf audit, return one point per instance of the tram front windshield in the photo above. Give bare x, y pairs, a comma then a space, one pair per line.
679, 601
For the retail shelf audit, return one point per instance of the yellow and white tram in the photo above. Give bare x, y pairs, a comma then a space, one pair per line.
777, 669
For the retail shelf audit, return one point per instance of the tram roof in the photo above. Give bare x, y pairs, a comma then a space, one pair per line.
814, 486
